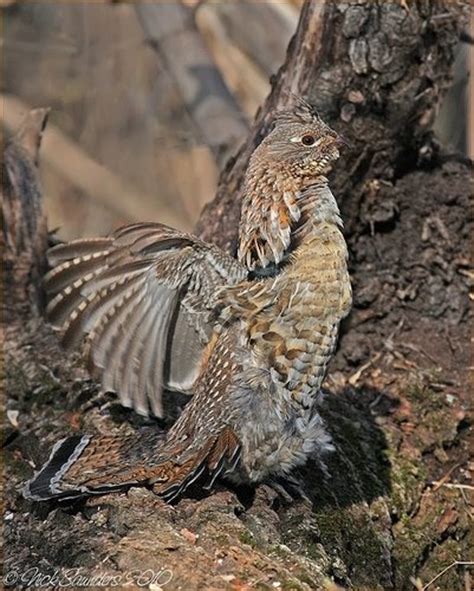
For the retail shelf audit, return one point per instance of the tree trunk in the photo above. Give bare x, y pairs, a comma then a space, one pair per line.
392, 510
24, 236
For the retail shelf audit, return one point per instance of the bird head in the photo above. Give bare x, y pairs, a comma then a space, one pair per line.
286, 173
301, 143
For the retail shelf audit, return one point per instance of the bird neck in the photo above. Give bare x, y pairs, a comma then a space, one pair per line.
318, 208
279, 212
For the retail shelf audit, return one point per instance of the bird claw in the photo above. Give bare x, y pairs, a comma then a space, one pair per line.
288, 489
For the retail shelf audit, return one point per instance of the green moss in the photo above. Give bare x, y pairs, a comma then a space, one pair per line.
425, 400
436, 426
304, 577
354, 538
315, 551
440, 558
301, 534
291, 585
247, 537
17, 466
414, 536
48, 392
16, 379
408, 480
279, 551
40, 388
221, 539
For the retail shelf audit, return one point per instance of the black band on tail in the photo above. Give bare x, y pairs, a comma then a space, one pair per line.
45, 483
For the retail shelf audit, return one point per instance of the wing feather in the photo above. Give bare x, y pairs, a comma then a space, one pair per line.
151, 380
116, 347
142, 300
77, 249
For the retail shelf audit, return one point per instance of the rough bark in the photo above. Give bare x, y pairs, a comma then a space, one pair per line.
392, 511
24, 233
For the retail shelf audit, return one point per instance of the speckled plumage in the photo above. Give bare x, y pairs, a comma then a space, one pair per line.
250, 339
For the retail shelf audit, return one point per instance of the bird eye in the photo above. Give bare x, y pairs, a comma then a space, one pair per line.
308, 140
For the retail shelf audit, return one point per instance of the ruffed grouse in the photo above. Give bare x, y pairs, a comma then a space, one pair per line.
249, 338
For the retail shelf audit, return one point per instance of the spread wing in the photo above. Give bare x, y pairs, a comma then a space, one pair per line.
143, 299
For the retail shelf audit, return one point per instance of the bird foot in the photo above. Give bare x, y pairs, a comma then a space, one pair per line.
287, 489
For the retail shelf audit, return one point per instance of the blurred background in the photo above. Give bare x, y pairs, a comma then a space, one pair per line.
149, 99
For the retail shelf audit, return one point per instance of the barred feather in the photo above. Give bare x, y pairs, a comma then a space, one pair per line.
98, 464
147, 297
141, 299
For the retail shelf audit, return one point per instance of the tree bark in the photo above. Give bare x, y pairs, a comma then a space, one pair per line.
391, 511
24, 235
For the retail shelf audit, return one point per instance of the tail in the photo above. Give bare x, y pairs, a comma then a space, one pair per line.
92, 465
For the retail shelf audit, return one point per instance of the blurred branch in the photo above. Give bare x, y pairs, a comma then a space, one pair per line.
248, 82
466, 37
170, 29
24, 231
261, 30
72, 163
30, 133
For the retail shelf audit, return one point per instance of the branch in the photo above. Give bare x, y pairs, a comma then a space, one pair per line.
71, 162
260, 30
244, 77
24, 231
170, 29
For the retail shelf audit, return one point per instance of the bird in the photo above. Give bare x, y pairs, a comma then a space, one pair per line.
249, 338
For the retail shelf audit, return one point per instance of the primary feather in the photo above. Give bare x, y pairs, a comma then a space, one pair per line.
143, 299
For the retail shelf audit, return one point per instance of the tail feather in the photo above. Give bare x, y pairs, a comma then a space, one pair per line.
44, 485
88, 465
